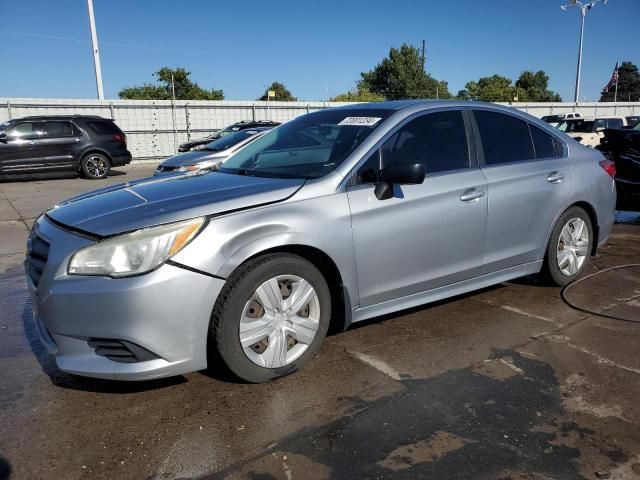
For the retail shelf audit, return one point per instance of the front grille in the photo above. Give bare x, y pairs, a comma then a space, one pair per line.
37, 254
120, 350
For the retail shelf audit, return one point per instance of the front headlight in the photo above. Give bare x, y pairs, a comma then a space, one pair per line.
134, 253
205, 165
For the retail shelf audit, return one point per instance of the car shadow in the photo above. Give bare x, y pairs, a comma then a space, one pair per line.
74, 382
5, 469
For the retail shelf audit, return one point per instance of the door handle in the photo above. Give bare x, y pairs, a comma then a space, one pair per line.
555, 177
471, 195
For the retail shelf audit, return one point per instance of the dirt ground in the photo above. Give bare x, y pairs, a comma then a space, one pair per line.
506, 383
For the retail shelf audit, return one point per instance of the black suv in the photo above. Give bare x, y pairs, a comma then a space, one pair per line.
243, 125
32, 146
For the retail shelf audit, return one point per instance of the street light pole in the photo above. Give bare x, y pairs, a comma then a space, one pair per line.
96, 52
584, 8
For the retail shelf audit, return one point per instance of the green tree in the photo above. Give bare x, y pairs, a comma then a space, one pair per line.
401, 75
534, 87
628, 85
282, 93
185, 88
358, 95
489, 89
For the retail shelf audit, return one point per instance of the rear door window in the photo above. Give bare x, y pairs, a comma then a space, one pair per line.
614, 123
58, 129
505, 139
546, 145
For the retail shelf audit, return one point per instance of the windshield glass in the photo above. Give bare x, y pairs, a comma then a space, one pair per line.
309, 146
221, 133
230, 140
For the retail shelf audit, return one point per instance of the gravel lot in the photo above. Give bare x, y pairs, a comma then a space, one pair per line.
508, 382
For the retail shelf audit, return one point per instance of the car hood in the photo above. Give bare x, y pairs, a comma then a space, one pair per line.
153, 201
189, 158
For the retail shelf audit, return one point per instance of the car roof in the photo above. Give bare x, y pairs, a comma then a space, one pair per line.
599, 117
426, 104
61, 117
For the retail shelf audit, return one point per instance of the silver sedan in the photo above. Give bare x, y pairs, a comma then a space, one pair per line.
333, 218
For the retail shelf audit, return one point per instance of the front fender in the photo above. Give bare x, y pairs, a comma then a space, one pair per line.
321, 223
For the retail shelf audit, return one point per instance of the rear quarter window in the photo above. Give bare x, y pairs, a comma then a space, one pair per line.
103, 127
546, 146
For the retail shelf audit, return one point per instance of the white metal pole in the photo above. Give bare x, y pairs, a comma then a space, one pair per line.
583, 13
96, 52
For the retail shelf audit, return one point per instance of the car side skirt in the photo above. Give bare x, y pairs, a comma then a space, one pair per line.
364, 313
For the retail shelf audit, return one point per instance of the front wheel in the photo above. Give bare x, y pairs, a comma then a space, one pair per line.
95, 166
569, 247
271, 317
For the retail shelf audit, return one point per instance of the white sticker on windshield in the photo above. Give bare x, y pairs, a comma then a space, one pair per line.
360, 121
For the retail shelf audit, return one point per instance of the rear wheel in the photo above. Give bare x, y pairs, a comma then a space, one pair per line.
271, 317
95, 166
569, 247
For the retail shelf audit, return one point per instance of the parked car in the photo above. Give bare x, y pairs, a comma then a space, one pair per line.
212, 155
404, 203
54, 145
589, 131
633, 120
622, 145
198, 143
556, 119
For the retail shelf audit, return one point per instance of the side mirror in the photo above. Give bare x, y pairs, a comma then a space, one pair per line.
3, 137
398, 173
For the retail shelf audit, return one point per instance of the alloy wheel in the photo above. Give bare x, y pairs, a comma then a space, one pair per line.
96, 166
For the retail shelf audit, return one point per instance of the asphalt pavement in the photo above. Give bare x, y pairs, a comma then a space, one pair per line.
506, 383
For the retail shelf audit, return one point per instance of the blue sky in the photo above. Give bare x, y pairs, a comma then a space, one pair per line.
317, 48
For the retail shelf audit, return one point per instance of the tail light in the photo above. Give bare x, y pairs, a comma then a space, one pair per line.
121, 138
609, 167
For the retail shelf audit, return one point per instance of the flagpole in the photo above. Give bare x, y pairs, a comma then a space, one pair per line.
615, 95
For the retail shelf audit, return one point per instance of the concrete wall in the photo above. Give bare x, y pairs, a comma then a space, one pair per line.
152, 132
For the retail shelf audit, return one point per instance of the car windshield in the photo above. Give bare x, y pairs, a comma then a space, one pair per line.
221, 133
229, 140
309, 146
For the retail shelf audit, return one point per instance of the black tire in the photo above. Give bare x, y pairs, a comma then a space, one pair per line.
95, 166
551, 270
240, 287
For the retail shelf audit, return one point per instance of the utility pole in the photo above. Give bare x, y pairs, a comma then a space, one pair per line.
423, 57
584, 8
96, 52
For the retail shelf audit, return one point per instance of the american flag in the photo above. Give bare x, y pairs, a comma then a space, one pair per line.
614, 79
